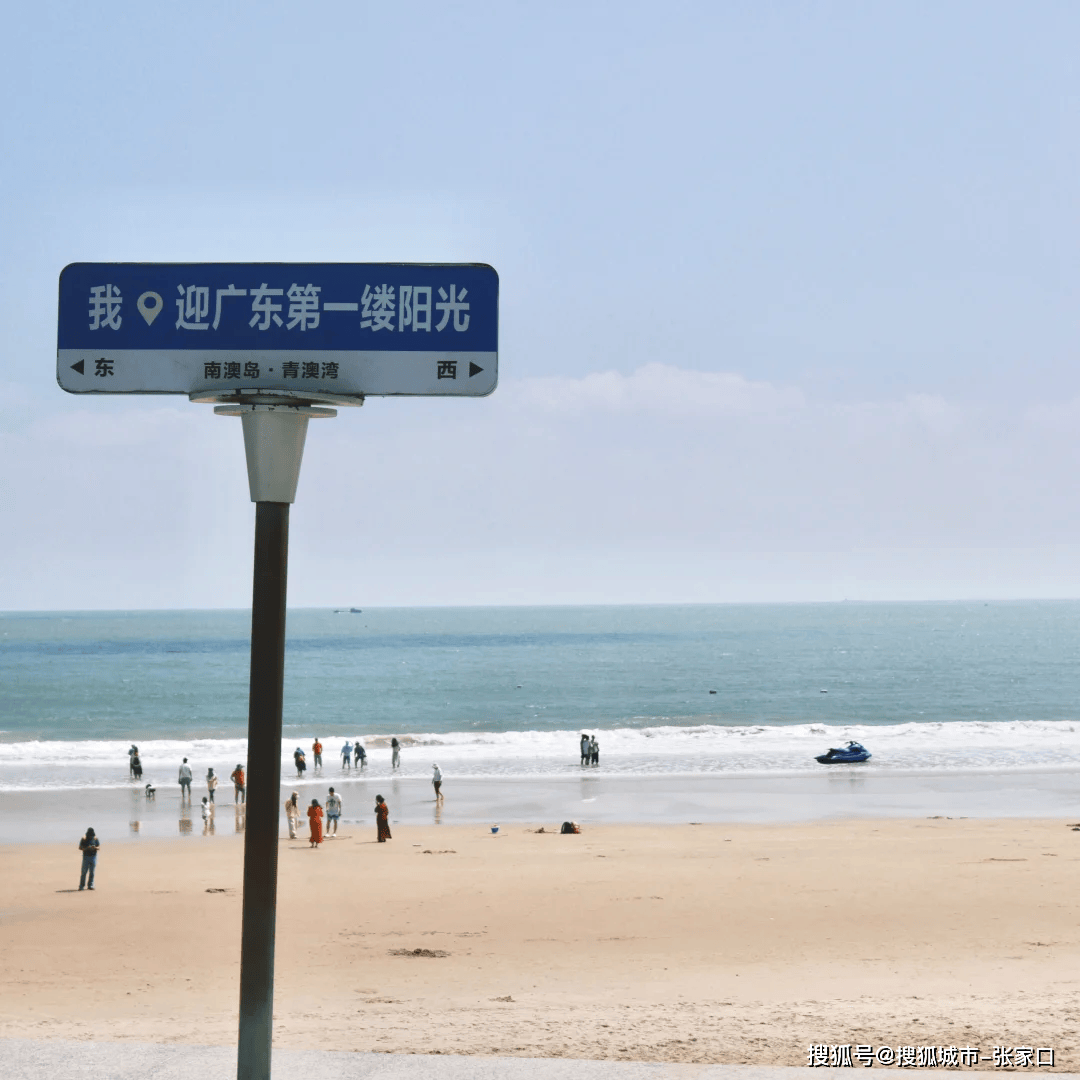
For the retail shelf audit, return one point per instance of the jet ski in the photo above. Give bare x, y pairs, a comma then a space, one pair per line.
847, 755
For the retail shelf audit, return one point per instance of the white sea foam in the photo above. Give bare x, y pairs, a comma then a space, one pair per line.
967, 746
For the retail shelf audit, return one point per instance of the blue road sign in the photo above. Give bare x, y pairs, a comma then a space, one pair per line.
331, 328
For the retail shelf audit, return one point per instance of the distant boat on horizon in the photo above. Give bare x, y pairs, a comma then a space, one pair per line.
348, 611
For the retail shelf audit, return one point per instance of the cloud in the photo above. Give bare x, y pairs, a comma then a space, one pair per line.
662, 483
656, 388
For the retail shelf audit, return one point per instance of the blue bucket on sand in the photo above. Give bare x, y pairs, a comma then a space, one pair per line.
494, 829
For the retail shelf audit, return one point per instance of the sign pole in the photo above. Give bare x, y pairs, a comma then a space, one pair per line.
274, 443
264, 785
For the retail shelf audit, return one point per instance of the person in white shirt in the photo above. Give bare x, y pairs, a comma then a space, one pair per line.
436, 781
292, 813
333, 812
185, 781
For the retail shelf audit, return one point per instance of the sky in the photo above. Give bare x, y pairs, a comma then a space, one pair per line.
788, 297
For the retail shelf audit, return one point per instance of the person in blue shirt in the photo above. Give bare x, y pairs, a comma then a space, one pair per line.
346, 756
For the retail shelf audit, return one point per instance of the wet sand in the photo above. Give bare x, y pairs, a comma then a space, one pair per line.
733, 943
592, 798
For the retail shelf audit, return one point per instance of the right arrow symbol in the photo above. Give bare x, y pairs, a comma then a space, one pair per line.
474, 369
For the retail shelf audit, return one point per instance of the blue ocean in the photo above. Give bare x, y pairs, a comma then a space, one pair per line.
506, 692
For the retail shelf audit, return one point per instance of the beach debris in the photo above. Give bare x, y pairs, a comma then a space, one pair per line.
712, 691
220, 890
507, 998
445, 851
433, 953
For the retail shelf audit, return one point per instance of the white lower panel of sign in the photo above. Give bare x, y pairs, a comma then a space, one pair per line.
145, 371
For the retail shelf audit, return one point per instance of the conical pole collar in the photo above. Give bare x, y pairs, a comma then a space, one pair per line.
274, 443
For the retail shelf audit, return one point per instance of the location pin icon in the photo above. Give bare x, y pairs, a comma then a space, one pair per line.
150, 305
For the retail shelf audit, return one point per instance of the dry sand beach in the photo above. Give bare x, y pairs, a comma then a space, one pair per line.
711, 943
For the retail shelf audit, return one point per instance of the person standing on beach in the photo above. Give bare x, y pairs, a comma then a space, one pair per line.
382, 819
207, 810
333, 813
359, 755
395, 753
185, 781
316, 754
436, 782
594, 751
133, 753
88, 845
584, 749
292, 814
237, 777
299, 762
346, 755
211, 783
136, 765
315, 814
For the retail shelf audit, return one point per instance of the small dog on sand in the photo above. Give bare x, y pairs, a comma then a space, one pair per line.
151, 792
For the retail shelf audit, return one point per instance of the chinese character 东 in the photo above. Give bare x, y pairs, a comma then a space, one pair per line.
103, 367
377, 308
303, 307
452, 305
447, 369
105, 301
264, 307
192, 307
415, 307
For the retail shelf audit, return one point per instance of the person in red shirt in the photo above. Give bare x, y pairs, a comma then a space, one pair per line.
315, 814
237, 777
316, 751
382, 819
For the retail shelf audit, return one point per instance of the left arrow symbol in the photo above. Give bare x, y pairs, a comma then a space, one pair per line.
78, 367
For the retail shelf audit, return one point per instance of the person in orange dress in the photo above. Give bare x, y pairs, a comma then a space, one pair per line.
315, 814
382, 818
